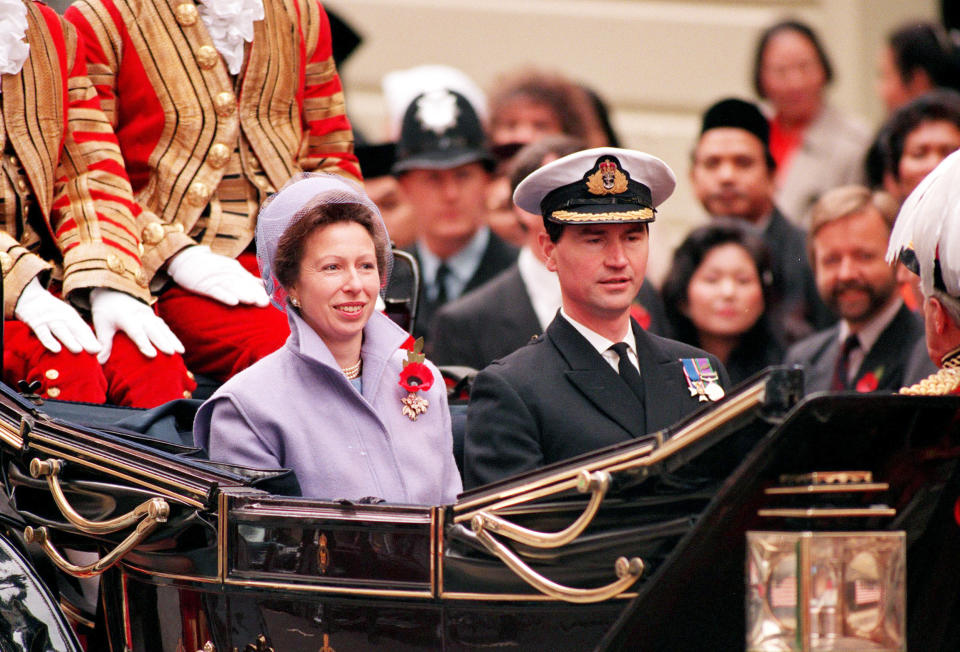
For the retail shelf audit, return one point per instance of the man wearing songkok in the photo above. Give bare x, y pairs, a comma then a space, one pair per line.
215, 105
443, 166
733, 176
68, 235
926, 238
595, 378
868, 350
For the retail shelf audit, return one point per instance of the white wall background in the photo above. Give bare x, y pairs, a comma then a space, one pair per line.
659, 63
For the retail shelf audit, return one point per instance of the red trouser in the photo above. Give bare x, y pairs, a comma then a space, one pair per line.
221, 340
128, 377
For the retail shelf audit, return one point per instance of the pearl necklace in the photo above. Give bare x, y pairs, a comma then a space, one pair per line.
353, 372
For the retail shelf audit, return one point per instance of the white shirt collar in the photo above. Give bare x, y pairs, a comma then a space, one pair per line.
543, 286
230, 24
14, 49
602, 344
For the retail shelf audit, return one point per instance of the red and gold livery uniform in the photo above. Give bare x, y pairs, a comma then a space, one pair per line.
69, 219
204, 147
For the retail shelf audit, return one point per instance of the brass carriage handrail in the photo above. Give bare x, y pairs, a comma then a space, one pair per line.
156, 509
595, 483
39, 535
627, 571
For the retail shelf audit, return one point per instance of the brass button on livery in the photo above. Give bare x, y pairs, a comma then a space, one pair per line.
218, 155
187, 394
225, 103
51, 374
199, 194
114, 263
141, 279
207, 56
178, 227
6, 262
152, 233
53, 392
190, 375
187, 14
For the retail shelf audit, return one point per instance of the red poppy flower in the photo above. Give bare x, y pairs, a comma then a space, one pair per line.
640, 313
868, 382
416, 377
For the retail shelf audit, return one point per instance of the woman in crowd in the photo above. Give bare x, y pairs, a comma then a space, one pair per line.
718, 297
917, 58
816, 147
346, 403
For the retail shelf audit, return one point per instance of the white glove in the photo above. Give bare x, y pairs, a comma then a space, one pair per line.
54, 321
113, 310
200, 270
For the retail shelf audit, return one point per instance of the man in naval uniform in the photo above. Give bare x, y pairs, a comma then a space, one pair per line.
68, 236
926, 238
595, 377
215, 105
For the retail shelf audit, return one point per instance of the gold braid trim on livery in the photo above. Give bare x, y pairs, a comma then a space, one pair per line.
945, 381
570, 216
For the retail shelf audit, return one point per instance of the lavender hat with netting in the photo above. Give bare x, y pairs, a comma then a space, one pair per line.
298, 196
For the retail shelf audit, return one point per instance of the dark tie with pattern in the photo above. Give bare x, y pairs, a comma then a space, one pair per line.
628, 372
440, 282
842, 371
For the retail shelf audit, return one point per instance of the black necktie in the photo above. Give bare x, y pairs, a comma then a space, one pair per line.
440, 282
842, 371
628, 372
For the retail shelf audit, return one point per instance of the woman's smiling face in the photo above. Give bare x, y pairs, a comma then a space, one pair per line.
338, 281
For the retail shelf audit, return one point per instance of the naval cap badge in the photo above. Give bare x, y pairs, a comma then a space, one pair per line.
609, 178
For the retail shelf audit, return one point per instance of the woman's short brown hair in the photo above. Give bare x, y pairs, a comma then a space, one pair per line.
290, 246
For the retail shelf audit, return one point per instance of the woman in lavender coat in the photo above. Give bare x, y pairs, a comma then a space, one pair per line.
342, 403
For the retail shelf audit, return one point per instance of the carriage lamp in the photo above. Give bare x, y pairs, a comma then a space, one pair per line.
819, 591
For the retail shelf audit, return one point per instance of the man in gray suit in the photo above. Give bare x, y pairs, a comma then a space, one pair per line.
869, 348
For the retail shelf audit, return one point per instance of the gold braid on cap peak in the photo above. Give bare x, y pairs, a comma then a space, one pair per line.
943, 382
570, 216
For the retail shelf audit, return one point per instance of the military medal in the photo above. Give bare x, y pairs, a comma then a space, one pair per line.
415, 377
702, 379
710, 377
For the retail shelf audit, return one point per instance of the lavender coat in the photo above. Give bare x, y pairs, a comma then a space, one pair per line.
295, 409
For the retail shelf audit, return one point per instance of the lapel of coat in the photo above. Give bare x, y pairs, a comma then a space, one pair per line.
663, 380
823, 362
496, 256
520, 317
592, 376
888, 350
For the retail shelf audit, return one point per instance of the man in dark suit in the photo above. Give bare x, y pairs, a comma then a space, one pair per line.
870, 347
595, 377
516, 306
732, 175
443, 167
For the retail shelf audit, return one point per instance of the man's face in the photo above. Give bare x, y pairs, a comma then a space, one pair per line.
852, 276
449, 204
600, 267
923, 149
730, 175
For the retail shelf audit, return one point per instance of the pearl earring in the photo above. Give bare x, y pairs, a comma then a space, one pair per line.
295, 302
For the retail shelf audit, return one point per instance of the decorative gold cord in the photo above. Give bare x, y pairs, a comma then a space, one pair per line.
945, 381
353, 372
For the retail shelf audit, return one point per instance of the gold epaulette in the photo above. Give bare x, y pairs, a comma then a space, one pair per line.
943, 382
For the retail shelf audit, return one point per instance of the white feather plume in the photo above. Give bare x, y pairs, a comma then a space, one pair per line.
929, 222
